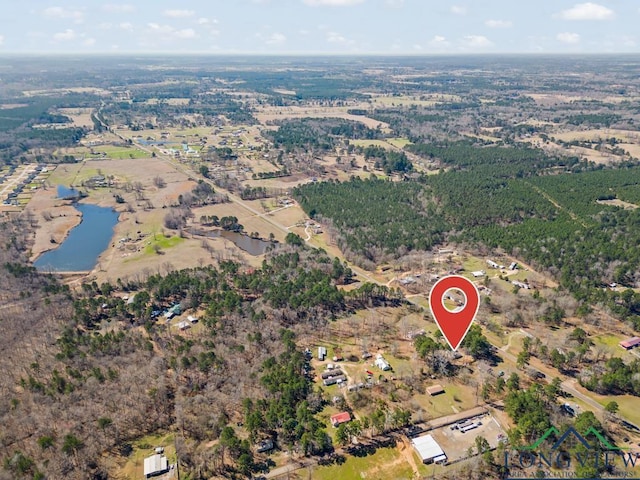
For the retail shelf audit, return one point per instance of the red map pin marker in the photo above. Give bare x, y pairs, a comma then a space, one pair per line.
454, 325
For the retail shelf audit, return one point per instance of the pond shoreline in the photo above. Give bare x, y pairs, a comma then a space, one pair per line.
88, 241
63, 215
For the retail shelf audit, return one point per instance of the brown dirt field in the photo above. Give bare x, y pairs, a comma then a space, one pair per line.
96, 90
632, 148
599, 134
64, 218
282, 182
81, 117
259, 165
618, 203
289, 216
266, 114
604, 158
105, 138
549, 99
248, 219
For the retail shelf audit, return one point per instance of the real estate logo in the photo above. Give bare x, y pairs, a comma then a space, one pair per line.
573, 455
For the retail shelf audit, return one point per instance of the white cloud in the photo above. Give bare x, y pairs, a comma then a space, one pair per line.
335, 37
65, 36
118, 8
417, 47
458, 10
126, 26
1, 40
105, 26
206, 21
168, 32
439, 41
58, 12
332, 3
586, 11
185, 33
569, 38
477, 41
89, 42
275, 39
499, 23
157, 28
178, 13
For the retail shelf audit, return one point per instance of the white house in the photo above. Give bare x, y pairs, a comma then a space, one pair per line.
381, 363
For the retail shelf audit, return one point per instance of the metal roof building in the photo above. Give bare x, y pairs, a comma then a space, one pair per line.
339, 418
630, 343
435, 390
155, 465
428, 449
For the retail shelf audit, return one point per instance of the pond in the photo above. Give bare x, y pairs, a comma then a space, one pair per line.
79, 252
253, 246
67, 193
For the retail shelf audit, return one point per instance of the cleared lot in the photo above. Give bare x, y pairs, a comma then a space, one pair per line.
456, 443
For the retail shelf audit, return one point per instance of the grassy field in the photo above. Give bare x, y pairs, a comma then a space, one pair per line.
162, 242
384, 464
628, 405
456, 398
610, 343
400, 142
122, 152
368, 143
473, 264
65, 174
142, 448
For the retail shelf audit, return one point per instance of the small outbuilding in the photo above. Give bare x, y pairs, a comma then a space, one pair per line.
322, 353
435, 390
265, 446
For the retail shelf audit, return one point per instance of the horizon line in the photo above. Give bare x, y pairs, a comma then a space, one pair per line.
316, 54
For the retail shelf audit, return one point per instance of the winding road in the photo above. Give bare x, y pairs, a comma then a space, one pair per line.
568, 384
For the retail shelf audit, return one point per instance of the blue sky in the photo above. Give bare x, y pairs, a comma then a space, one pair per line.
320, 26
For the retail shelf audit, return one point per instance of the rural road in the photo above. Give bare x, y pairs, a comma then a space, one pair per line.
569, 387
235, 199
568, 384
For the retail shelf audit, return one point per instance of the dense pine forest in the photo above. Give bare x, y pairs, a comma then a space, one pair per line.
543, 209
97, 372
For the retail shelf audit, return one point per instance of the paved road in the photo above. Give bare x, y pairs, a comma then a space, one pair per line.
569, 387
568, 384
